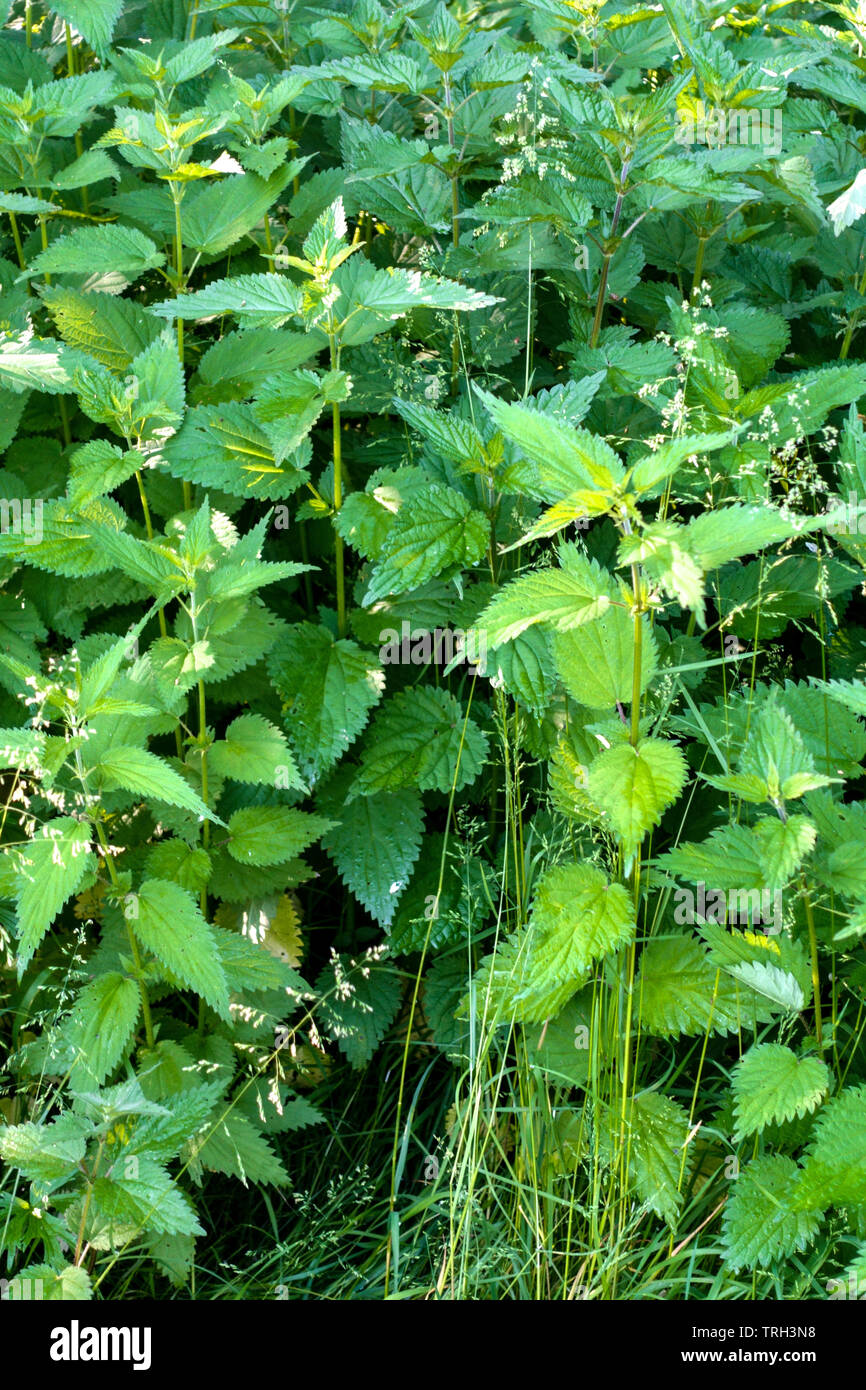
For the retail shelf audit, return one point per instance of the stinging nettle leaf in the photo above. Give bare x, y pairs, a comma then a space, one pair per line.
169, 924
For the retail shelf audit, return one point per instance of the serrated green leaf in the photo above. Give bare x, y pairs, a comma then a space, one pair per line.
434, 532
759, 1223
272, 834
374, 846
635, 786
772, 1084
359, 1002
596, 660
577, 593
169, 924
420, 738
253, 750
48, 871
137, 770
327, 690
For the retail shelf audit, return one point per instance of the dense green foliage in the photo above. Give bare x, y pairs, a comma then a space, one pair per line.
433, 662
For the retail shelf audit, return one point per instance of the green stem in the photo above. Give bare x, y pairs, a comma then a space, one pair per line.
79, 1244
608, 255
816, 974
178, 269
16, 237
64, 421
600, 298
634, 733
697, 278
133, 944
339, 557
853, 321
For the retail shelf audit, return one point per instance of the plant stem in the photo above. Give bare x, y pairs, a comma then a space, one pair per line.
853, 321
697, 278
816, 974
202, 739
178, 268
634, 733
133, 944
19, 249
455, 219
79, 1244
339, 557
608, 255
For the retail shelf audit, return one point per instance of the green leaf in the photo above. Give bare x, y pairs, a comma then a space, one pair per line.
420, 738
635, 786
254, 751
218, 215
272, 834
387, 72
144, 1197
434, 532
375, 845
358, 1003
260, 299
741, 857
196, 56
664, 462
577, 593
773, 983
681, 992
577, 916
224, 447
772, 1084
94, 20
98, 468
657, 1130
89, 168
251, 967
845, 210
23, 202
596, 661
40, 364
450, 436
112, 330
715, 537
776, 755
110, 248
565, 460
833, 1172
46, 1153
71, 1284
104, 1018
327, 689
22, 748
137, 770
234, 1146
525, 667
190, 867
48, 871
169, 925
759, 1223
851, 694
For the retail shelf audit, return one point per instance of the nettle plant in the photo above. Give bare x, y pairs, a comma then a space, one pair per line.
325, 324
